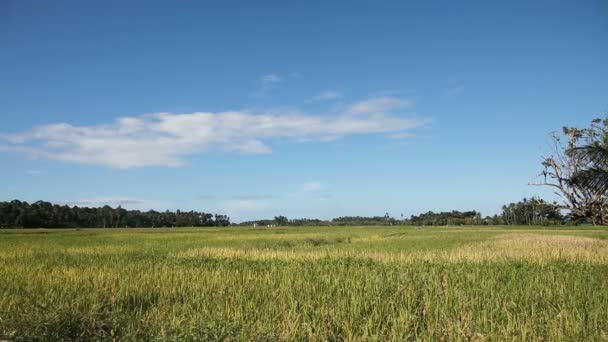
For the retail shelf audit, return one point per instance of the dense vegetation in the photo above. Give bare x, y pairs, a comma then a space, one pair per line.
18, 214
532, 211
304, 284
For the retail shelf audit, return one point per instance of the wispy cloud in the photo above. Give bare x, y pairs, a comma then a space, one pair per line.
325, 196
166, 139
454, 90
454, 87
401, 135
312, 189
311, 186
327, 96
33, 172
244, 207
238, 207
396, 92
271, 79
377, 105
266, 84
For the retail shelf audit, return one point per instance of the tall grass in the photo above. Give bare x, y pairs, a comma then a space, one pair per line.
315, 284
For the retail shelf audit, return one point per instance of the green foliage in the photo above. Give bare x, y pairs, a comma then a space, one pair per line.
532, 211
17, 214
281, 220
454, 217
385, 220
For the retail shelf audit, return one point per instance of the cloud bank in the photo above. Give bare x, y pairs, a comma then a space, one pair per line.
166, 139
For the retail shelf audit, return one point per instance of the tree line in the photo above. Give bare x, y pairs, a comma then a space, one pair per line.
18, 214
533, 211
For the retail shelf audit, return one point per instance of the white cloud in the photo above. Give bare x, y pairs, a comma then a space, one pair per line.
454, 87
271, 78
311, 186
166, 139
327, 95
382, 104
33, 172
251, 147
454, 90
240, 208
401, 135
266, 84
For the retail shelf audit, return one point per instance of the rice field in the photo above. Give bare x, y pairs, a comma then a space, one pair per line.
309, 284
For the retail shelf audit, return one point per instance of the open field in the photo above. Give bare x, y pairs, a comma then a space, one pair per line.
374, 283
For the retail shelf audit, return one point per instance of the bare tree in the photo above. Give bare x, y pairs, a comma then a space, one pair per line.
577, 170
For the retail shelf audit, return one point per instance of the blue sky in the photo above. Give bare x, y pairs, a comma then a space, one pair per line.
307, 109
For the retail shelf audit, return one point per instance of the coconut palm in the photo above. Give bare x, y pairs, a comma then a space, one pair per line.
578, 171
594, 176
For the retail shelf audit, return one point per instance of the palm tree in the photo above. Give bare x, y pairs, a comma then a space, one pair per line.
578, 171
592, 178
